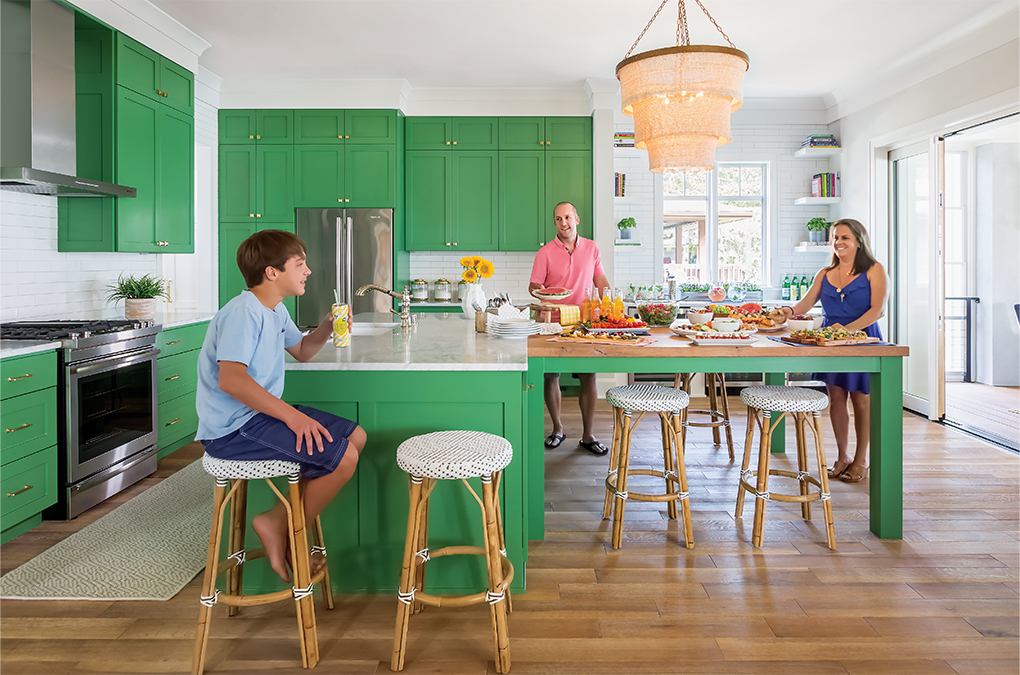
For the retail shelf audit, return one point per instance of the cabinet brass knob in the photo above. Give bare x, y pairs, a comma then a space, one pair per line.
250, 137
258, 136
448, 142
447, 243
455, 142
23, 426
340, 136
541, 142
15, 379
347, 200
346, 136
340, 200
251, 215
258, 215
15, 494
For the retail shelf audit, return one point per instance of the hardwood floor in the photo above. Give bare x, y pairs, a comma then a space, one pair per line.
991, 410
942, 600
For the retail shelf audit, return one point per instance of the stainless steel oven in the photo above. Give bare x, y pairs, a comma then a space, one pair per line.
107, 407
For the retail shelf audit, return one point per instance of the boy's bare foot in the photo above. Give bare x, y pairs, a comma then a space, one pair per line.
273, 533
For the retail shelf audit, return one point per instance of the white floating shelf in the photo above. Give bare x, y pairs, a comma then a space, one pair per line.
627, 242
628, 200
629, 152
816, 201
808, 247
817, 152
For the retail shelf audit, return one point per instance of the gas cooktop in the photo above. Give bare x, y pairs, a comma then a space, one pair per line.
63, 330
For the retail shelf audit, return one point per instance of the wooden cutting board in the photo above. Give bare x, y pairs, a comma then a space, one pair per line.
595, 340
819, 342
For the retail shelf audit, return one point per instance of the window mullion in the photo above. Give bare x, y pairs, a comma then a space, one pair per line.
712, 226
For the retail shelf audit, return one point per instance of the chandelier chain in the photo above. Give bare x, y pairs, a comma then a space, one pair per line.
725, 36
682, 31
647, 26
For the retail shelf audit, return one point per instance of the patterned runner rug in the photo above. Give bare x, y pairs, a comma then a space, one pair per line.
148, 548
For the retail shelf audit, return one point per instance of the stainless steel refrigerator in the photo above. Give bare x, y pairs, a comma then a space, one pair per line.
347, 248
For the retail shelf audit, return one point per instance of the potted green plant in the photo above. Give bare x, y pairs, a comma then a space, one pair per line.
625, 225
139, 294
818, 230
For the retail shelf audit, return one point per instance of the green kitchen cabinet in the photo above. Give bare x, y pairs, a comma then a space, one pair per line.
131, 135
370, 176
531, 183
155, 155
319, 127
318, 176
230, 281
177, 383
28, 449
370, 126
154, 76
553, 133
256, 183
452, 133
251, 127
452, 200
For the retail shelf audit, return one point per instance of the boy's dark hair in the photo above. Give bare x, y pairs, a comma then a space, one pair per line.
268, 248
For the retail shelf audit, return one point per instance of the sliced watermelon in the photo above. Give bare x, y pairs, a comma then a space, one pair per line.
553, 290
751, 308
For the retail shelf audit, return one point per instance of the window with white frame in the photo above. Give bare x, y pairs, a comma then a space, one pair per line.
714, 224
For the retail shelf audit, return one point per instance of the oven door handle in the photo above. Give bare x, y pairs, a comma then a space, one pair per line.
116, 361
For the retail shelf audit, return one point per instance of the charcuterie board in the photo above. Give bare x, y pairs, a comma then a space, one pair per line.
822, 342
622, 339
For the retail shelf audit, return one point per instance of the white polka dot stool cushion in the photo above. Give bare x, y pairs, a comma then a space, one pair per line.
248, 470
648, 398
784, 399
454, 454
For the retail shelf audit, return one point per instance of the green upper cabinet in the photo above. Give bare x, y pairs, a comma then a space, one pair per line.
568, 178
249, 127
370, 176
452, 133
568, 133
373, 127
319, 127
230, 237
318, 176
523, 220
452, 200
256, 184
555, 133
155, 155
144, 71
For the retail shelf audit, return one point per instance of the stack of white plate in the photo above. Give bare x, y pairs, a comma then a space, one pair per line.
512, 328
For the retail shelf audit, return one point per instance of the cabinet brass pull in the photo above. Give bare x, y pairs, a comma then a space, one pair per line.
448, 142
250, 137
541, 142
346, 136
548, 142
176, 420
159, 92
172, 342
15, 494
251, 215
167, 379
258, 136
530, 387
455, 142
23, 426
15, 379
340, 136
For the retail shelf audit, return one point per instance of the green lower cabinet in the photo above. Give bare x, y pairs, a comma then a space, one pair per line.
178, 418
366, 524
28, 486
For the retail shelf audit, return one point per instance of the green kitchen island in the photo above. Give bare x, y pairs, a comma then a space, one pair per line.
671, 354
440, 375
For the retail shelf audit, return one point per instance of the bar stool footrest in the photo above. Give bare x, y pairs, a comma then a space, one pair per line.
642, 497
780, 497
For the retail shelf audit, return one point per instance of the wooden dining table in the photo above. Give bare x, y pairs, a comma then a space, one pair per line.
669, 353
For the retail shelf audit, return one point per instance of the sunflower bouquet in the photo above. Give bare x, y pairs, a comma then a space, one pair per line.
475, 268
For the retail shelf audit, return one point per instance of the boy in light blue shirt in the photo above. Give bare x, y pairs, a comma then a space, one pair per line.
240, 381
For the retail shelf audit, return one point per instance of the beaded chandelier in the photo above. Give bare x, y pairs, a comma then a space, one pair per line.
681, 97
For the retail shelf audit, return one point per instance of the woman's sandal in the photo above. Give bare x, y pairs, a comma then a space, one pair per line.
554, 440
836, 473
849, 476
594, 446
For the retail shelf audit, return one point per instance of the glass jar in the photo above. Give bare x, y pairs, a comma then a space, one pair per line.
461, 290
420, 290
442, 290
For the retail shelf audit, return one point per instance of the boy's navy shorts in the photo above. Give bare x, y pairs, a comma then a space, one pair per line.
265, 437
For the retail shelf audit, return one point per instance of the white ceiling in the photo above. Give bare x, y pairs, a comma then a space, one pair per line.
797, 48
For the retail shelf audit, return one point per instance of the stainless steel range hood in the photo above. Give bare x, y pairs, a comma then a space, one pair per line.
37, 101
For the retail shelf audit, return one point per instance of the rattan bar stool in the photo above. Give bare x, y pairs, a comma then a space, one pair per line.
671, 406
762, 402
718, 407
454, 455
240, 472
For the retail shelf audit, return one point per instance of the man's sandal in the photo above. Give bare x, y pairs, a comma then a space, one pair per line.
849, 476
554, 440
594, 446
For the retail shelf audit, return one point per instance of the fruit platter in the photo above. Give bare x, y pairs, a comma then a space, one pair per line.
830, 337
552, 293
584, 336
611, 326
706, 329
751, 315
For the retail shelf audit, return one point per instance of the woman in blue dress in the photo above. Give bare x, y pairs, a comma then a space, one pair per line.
852, 290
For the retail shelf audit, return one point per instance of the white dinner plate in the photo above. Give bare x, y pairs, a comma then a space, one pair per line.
726, 341
691, 333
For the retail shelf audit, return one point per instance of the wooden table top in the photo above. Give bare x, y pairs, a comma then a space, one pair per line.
666, 344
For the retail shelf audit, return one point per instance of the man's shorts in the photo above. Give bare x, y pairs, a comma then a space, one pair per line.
264, 437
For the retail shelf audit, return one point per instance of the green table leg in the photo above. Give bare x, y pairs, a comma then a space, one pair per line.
535, 447
887, 449
779, 435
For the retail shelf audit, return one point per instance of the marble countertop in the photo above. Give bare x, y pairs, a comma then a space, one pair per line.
12, 348
435, 344
171, 317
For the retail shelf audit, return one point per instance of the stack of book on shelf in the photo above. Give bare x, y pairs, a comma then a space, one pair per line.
820, 141
620, 184
623, 139
825, 185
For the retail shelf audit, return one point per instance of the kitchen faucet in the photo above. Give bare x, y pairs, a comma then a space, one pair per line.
407, 320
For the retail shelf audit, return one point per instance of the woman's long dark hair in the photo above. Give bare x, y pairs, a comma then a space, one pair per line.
864, 259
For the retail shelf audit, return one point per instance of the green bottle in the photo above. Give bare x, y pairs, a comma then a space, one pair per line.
805, 286
786, 287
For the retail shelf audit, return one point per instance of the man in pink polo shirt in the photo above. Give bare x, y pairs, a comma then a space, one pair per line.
572, 262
